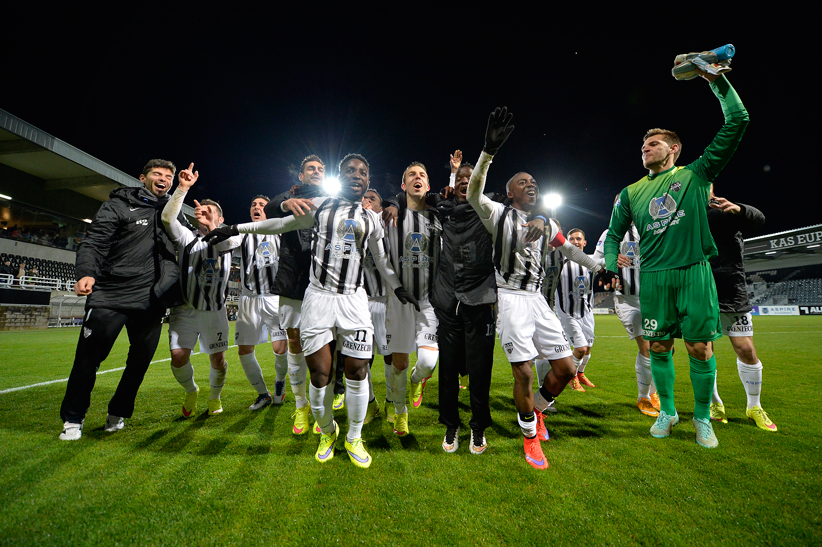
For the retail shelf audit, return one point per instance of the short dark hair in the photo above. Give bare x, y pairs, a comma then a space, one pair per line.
373, 190
413, 164
668, 136
165, 164
350, 157
260, 196
572, 230
214, 204
312, 157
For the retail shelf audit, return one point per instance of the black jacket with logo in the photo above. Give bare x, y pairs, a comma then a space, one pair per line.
129, 254
728, 269
295, 247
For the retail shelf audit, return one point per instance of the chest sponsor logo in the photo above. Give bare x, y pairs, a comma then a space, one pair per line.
265, 254
350, 230
662, 207
416, 245
581, 285
350, 234
212, 274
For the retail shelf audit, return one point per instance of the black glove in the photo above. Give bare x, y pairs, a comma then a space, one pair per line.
221, 234
611, 279
405, 297
498, 130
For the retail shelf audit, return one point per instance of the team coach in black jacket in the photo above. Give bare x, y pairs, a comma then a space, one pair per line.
126, 266
464, 296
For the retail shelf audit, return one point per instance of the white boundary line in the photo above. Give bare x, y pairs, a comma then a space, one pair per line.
9, 390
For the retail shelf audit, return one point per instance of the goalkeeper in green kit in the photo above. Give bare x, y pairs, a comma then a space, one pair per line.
678, 297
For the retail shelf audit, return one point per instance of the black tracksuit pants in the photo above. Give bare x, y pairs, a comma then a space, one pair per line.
466, 342
100, 330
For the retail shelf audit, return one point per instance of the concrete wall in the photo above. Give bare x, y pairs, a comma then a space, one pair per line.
14, 317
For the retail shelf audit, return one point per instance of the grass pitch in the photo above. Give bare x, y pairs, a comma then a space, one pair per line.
242, 478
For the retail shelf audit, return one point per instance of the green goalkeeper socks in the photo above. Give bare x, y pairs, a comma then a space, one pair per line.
662, 368
703, 374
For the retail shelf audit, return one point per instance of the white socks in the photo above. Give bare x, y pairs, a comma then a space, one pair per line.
356, 398
751, 376
398, 388
253, 372
577, 363
322, 398
281, 366
581, 367
644, 378
217, 379
529, 429
185, 375
389, 382
297, 374
426, 363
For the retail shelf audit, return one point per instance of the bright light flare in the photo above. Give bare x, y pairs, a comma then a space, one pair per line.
552, 201
331, 185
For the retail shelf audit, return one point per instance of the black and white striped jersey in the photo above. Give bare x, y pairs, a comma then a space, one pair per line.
414, 246
630, 248
342, 231
552, 264
518, 264
575, 291
259, 259
372, 280
204, 271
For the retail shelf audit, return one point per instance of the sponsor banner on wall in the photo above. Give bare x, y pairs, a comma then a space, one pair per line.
810, 310
775, 310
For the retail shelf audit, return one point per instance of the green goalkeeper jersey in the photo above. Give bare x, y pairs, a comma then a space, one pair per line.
670, 208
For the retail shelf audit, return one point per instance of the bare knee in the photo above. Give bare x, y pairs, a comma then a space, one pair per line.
245, 350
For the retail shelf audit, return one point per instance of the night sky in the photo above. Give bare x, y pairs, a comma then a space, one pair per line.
246, 99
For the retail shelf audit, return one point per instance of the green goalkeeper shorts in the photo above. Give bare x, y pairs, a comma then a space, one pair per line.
680, 303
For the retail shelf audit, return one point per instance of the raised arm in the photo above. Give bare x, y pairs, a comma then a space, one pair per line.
497, 131
719, 152
187, 178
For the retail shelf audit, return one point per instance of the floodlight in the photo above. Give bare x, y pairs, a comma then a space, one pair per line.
331, 185
552, 201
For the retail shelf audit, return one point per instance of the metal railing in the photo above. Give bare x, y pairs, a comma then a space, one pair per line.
35, 283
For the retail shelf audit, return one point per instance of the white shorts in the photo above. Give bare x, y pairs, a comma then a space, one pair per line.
377, 308
406, 328
186, 325
627, 309
736, 325
290, 311
344, 317
257, 317
579, 331
528, 328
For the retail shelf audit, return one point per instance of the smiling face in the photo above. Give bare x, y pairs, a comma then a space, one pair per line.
158, 181
461, 180
354, 178
523, 191
258, 209
415, 181
313, 173
577, 239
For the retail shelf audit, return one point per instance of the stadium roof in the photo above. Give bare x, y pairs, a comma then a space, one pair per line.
42, 169
798, 247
